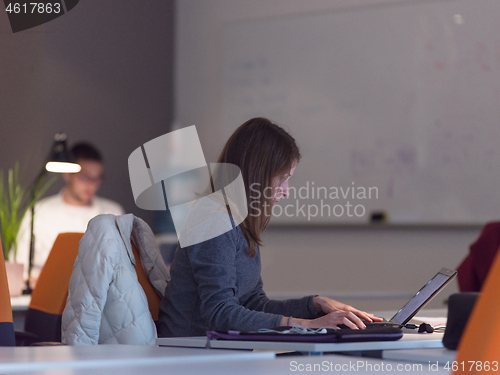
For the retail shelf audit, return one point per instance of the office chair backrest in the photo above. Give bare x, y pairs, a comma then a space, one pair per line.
6, 325
106, 303
48, 298
481, 339
153, 297
474, 269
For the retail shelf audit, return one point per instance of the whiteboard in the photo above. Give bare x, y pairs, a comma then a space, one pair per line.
404, 98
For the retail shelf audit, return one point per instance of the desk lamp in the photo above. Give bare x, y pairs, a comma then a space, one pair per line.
59, 161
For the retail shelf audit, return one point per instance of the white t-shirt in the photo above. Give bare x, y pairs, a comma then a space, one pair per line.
54, 216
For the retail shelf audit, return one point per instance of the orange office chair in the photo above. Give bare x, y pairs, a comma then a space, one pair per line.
48, 299
111, 270
6, 325
479, 348
153, 297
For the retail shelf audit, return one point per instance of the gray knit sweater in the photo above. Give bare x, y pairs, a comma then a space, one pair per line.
215, 285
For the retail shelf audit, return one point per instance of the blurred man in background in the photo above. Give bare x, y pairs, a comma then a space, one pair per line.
68, 211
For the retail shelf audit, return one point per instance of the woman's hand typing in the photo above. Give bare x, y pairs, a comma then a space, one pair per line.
335, 313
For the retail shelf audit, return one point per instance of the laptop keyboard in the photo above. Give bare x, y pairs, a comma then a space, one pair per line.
372, 325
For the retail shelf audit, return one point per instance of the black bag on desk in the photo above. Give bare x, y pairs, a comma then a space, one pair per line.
460, 306
330, 335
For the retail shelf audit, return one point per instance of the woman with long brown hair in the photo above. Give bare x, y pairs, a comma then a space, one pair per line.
216, 284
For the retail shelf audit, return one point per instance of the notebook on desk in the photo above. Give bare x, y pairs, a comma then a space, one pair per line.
299, 334
419, 300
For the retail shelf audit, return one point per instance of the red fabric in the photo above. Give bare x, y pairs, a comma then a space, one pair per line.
474, 268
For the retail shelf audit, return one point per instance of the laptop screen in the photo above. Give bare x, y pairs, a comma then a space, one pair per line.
424, 295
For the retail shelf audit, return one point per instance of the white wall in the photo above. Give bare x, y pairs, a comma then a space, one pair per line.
373, 268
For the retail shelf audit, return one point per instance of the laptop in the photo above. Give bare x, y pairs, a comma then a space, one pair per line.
419, 300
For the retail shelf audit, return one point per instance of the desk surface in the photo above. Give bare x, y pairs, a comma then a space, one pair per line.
278, 366
439, 355
20, 303
103, 356
409, 341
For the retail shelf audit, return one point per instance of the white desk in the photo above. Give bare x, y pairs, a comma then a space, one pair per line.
408, 341
289, 365
19, 308
438, 355
16, 359
20, 303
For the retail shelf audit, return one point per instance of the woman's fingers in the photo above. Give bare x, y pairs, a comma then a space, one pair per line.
366, 316
371, 317
347, 318
347, 315
328, 305
349, 324
355, 319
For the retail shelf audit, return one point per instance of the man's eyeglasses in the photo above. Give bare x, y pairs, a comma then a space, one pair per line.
88, 179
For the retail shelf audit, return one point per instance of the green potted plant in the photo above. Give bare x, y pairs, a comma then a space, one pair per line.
15, 201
